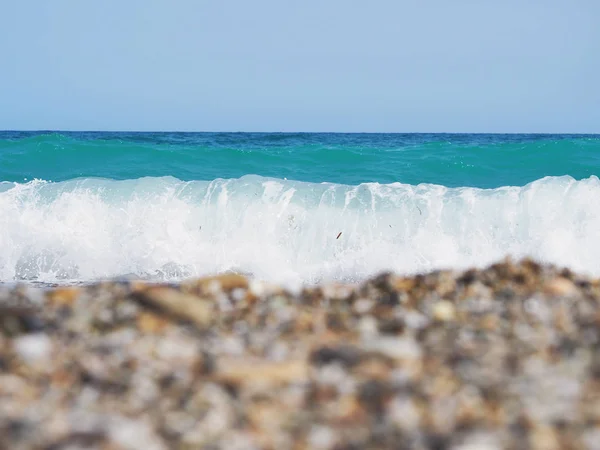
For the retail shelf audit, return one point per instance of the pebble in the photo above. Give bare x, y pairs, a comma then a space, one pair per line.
444, 311
501, 357
134, 434
395, 348
561, 287
33, 348
321, 438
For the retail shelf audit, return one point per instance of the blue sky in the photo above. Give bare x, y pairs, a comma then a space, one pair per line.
328, 65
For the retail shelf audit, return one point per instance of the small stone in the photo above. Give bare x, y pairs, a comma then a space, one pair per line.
33, 348
591, 438
363, 305
561, 287
398, 348
238, 294
479, 441
373, 395
134, 434
177, 349
544, 438
226, 282
368, 327
34, 295
415, 320
151, 323
257, 288
345, 355
402, 283
240, 371
232, 346
63, 296
321, 437
444, 311
404, 413
183, 306
337, 291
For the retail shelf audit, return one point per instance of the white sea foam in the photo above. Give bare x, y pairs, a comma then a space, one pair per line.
286, 231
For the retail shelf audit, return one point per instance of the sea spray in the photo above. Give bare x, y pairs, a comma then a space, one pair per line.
286, 231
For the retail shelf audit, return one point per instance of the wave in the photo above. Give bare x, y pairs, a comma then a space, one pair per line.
286, 231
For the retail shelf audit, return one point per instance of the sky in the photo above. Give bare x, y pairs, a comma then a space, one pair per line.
311, 65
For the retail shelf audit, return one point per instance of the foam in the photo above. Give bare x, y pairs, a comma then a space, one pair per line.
285, 231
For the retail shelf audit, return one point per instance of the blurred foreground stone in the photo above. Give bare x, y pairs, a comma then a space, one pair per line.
506, 357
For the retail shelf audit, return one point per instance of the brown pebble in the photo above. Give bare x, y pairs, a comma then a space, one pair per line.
151, 323
543, 437
561, 287
63, 296
226, 282
240, 371
182, 306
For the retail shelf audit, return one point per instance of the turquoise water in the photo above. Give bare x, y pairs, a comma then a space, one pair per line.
291, 208
485, 161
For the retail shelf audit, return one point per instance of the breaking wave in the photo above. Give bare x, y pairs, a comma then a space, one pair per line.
286, 231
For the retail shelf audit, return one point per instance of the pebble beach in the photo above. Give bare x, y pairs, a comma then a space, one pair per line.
503, 357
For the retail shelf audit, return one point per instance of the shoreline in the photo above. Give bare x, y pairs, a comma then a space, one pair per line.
502, 357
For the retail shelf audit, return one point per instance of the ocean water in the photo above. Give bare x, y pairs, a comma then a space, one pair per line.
291, 208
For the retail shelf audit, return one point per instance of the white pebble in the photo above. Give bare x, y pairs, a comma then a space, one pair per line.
591, 439
368, 327
395, 348
278, 351
363, 305
479, 441
232, 346
257, 288
321, 437
176, 349
238, 294
404, 413
415, 320
132, 434
33, 348
444, 311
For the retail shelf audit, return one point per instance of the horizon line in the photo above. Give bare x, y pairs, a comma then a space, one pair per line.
42, 130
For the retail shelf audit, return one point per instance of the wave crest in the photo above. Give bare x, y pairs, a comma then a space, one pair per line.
286, 231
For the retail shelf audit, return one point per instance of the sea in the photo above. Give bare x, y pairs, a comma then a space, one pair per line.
291, 208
